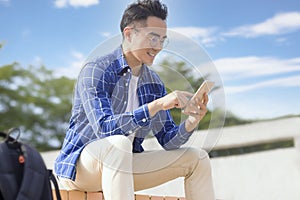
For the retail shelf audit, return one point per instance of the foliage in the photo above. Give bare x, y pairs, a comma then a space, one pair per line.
36, 101
232, 120
1, 44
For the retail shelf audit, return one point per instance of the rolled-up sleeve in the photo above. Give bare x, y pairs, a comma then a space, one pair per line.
95, 92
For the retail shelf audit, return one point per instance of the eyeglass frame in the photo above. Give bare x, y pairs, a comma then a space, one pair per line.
154, 43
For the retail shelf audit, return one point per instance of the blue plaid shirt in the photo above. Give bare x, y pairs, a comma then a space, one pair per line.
100, 100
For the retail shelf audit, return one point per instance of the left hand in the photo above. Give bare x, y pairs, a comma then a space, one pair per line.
196, 113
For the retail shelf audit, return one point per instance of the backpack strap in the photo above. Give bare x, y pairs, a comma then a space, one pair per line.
53, 179
4, 135
8, 138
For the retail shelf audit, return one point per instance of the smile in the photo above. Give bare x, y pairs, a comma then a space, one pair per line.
151, 54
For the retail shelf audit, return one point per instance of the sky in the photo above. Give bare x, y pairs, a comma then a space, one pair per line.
254, 45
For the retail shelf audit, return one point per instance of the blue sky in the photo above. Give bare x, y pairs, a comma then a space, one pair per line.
253, 44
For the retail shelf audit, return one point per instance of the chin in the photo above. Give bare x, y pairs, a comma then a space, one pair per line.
148, 63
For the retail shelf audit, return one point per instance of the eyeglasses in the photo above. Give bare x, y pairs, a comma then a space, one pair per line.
155, 40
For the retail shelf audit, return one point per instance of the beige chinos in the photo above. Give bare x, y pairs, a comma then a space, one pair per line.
109, 165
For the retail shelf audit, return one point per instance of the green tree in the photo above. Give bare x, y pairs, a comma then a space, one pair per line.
37, 102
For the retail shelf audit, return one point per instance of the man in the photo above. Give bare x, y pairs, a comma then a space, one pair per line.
118, 100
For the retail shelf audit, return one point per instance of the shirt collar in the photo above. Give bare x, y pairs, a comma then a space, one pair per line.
123, 65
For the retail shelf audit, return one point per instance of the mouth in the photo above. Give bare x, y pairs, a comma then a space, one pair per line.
151, 54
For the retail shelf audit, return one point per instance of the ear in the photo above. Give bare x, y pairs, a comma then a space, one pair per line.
127, 33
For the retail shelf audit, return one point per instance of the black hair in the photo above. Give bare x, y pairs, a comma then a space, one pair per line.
141, 10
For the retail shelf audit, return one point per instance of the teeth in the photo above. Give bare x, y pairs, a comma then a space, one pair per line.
151, 54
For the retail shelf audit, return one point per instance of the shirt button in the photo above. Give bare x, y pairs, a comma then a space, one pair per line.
125, 102
130, 132
144, 120
126, 84
128, 70
124, 74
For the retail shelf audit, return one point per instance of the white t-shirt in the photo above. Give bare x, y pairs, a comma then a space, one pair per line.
133, 101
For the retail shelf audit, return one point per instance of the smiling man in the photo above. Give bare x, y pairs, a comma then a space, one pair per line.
118, 100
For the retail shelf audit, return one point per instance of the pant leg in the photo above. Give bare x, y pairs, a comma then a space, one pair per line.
154, 168
105, 165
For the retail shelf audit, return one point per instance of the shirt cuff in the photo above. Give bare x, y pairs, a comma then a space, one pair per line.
179, 139
183, 133
141, 115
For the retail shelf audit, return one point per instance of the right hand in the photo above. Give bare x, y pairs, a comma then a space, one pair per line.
176, 99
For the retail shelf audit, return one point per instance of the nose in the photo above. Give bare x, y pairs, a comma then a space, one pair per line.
158, 46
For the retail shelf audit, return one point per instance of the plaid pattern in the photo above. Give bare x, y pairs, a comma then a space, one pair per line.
99, 103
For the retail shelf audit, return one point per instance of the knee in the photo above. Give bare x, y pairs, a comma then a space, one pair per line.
120, 142
118, 155
200, 157
113, 145
196, 154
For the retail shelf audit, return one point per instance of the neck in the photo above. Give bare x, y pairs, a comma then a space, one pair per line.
136, 70
133, 63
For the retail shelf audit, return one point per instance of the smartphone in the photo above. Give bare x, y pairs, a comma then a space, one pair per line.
205, 87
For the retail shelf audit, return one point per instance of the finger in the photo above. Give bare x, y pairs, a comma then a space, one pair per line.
191, 107
197, 102
195, 115
194, 108
183, 100
187, 94
177, 101
205, 99
202, 106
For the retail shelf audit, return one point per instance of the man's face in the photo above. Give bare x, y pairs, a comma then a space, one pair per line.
148, 41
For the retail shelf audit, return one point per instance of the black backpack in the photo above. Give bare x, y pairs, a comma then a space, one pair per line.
23, 173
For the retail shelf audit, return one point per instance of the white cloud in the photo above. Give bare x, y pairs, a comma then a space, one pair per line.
37, 61
5, 2
72, 70
279, 24
75, 3
249, 67
275, 73
292, 81
256, 101
281, 40
77, 55
206, 36
60, 3
106, 34
25, 33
